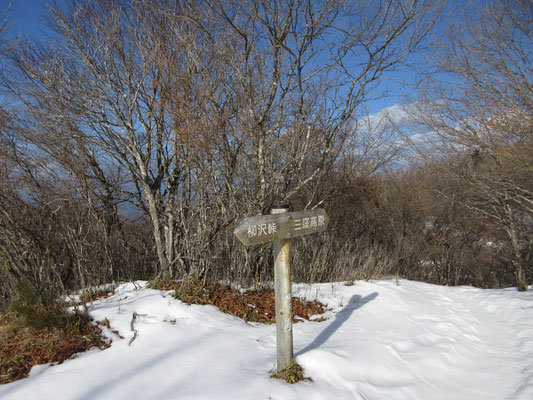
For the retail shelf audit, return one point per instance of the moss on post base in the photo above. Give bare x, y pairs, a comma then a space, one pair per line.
292, 373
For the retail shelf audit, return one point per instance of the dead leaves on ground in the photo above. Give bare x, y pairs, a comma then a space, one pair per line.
21, 349
251, 305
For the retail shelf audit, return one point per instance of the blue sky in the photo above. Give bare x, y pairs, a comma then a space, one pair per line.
25, 15
26, 19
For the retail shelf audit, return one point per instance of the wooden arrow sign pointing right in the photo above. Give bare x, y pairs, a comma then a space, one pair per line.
274, 227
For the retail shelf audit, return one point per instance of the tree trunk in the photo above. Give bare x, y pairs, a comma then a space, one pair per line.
158, 230
521, 282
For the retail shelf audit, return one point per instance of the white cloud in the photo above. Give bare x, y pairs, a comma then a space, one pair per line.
394, 129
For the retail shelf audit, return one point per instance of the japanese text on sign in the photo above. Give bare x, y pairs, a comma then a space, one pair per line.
262, 229
308, 223
268, 228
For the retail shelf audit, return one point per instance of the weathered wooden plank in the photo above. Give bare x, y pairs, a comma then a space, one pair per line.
275, 227
282, 290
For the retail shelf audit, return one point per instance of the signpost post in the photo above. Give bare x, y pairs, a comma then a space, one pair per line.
282, 297
280, 227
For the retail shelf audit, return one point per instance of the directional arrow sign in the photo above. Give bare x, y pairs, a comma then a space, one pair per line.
279, 227
273, 227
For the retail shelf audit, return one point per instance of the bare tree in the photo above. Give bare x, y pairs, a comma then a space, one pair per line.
482, 110
300, 71
98, 106
295, 77
198, 112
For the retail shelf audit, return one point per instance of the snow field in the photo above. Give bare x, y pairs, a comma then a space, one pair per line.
381, 341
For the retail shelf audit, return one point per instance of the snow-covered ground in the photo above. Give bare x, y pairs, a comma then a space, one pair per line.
381, 341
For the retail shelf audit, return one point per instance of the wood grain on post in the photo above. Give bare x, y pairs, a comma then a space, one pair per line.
282, 288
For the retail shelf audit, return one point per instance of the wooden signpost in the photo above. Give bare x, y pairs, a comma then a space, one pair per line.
280, 227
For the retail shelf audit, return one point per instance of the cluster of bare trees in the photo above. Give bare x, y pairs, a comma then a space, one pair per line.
140, 132
484, 121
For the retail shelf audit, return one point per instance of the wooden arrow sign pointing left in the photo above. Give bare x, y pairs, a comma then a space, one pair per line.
274, 227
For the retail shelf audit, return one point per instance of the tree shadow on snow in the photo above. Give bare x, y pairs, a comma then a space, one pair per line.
355, 302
